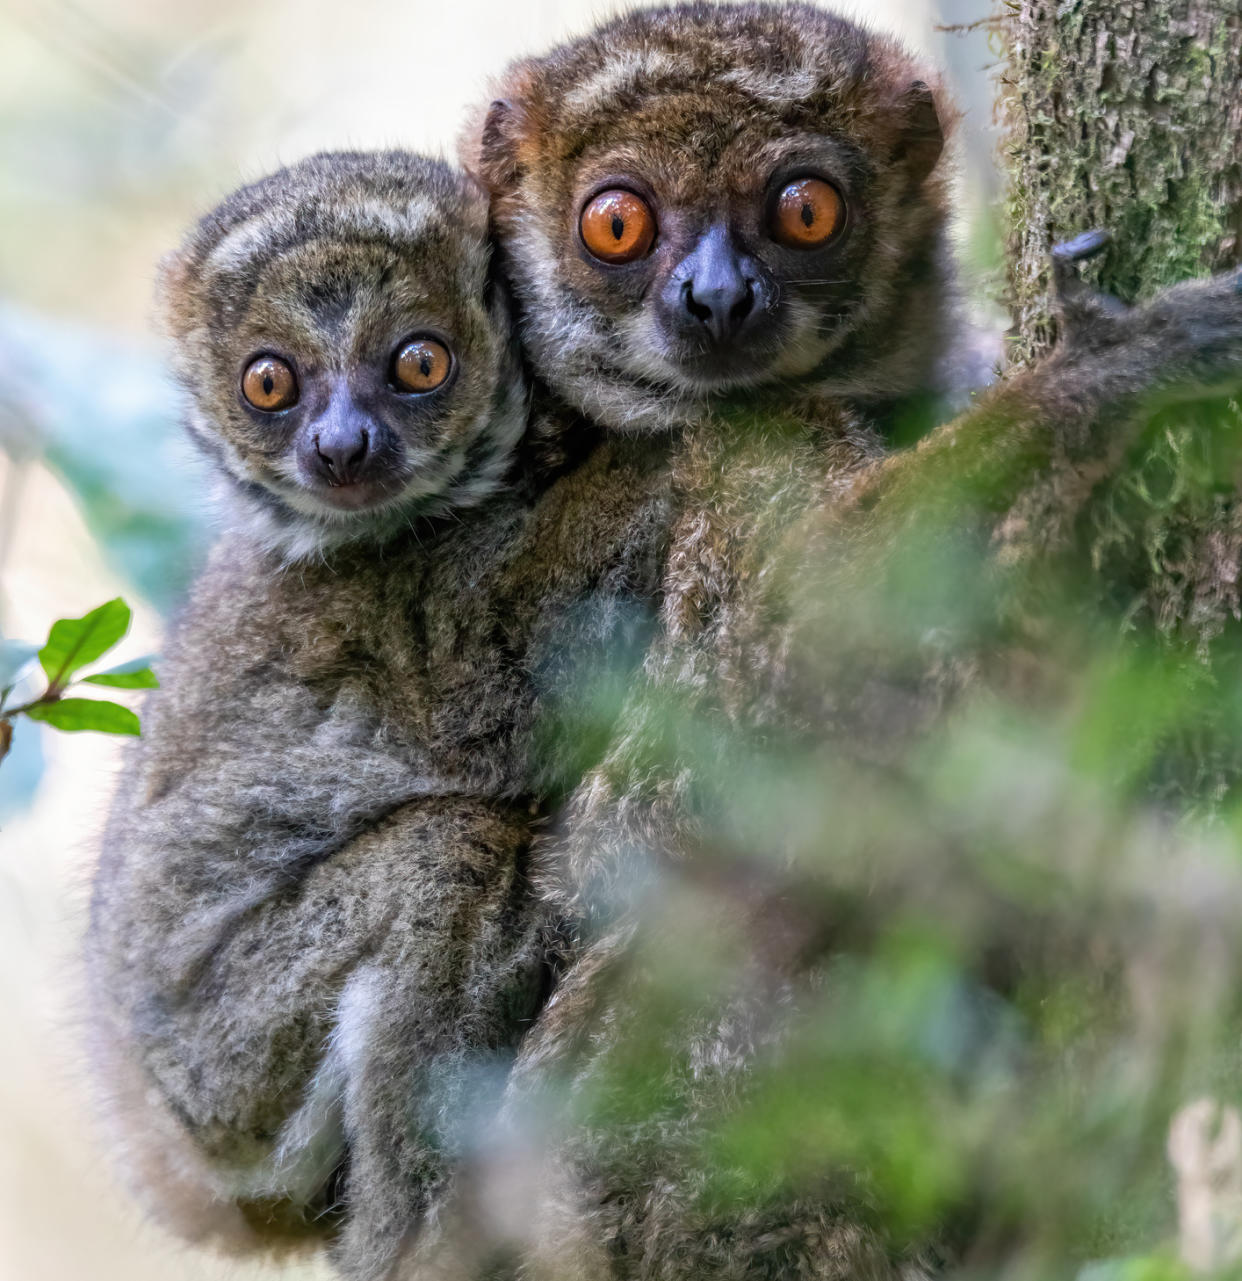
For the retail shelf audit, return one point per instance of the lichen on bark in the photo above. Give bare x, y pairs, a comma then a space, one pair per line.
1127, 116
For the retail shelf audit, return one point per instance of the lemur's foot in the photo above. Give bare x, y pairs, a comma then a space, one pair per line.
1188, 337
1080, 307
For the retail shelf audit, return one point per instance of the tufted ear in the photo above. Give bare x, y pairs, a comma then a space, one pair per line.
174, 285
498, 145
490, 143
922, 137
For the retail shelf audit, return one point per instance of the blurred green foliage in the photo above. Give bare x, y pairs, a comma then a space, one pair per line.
1021, 955
106, 422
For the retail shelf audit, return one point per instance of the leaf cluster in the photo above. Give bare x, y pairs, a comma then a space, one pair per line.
73, 644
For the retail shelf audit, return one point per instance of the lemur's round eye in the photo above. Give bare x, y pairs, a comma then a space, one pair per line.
421, 364
269, 383
617, 226
809, 212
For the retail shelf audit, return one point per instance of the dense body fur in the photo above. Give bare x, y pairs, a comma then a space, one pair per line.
311, 928
312, 945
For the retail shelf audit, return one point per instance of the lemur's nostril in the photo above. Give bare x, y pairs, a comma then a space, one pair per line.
744, 306
342, 455
355, 459
693, 306
721, 309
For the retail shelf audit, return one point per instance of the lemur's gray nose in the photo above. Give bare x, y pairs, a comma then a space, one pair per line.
719, 291
341, 441
342, 449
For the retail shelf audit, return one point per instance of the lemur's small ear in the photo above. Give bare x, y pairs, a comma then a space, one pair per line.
490, 146
498, 145
922, 136
172, 293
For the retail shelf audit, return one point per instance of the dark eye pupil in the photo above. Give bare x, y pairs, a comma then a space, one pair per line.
808, 215
268, 383
618, 226
424, 366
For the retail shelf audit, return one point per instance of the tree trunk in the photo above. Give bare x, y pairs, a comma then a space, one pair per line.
1127, 115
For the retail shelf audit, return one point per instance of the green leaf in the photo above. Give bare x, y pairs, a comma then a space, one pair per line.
14, 655
136, 674
74, 642
86, 713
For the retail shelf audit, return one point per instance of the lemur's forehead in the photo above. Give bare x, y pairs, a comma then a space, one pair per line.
711, 95
690, 150
613, 93
691, 141
415, 232
332, 304
741, 62
324, 279
281, 228
368, 257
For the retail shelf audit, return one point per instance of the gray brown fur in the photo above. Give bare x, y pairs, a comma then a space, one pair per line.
312, 946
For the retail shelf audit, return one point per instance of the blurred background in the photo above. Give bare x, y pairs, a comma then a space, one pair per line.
120, 121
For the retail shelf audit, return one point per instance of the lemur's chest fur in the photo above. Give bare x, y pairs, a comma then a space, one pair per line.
444, 649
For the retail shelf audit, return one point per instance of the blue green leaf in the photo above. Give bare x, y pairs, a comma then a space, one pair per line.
74, 642
136, 674
86, 713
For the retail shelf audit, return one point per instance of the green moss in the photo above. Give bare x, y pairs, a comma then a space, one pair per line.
1118, 118
1142, 144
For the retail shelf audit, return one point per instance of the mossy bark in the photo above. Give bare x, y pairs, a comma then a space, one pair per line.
1127, 115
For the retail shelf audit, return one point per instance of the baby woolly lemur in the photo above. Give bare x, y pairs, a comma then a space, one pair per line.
311, 945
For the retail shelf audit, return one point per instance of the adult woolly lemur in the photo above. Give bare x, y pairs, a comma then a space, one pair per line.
311, 945
701, 205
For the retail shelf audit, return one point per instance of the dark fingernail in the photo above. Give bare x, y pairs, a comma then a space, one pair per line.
1082, 247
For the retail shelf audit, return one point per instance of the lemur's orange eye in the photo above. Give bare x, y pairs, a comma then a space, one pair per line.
421, 364
269, 384
808, 214
617, 226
